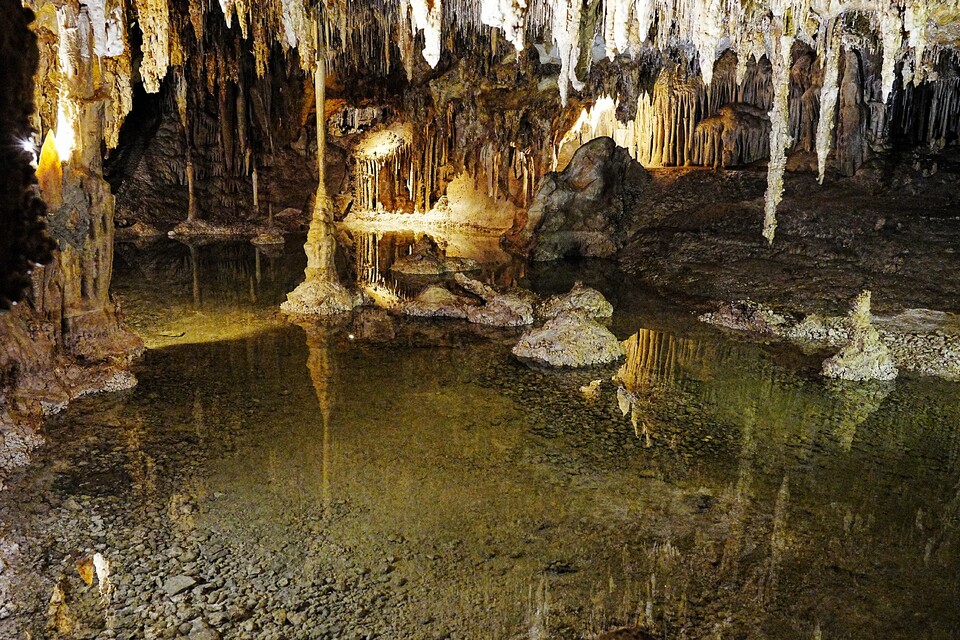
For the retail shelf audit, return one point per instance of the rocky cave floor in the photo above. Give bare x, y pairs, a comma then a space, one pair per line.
894, 229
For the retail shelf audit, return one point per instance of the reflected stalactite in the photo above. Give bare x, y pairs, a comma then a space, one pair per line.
195, 273
654, 360
140, 465
199, 417
779, 544
736, 515
855, 403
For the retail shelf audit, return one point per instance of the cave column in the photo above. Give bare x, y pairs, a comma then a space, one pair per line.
321, 293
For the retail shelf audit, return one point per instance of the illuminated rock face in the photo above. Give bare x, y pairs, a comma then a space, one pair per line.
67, 341
588, 209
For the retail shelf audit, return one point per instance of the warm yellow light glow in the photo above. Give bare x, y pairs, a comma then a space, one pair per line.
597, 121
382, 144
50, 172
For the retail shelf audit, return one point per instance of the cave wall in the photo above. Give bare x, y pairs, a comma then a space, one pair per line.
821, 87
65, 339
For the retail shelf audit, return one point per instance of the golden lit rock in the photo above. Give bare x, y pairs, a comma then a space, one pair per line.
50, 172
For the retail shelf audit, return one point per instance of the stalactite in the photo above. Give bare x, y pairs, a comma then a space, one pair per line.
154, 18
507, 15
828, 99
891, 30
566, 37
427, 17
780, 45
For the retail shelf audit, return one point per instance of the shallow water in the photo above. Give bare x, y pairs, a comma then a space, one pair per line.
386, 478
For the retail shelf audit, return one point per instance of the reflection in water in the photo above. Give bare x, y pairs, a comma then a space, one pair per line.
320, 366
195, 269
652, 364
853, 404
408, 484
374, 252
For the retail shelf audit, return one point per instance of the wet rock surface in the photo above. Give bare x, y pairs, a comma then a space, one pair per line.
918, 340
891, 228
570, 339
864, 356
511, 308
579, 299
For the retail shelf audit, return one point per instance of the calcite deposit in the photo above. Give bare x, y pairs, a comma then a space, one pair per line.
570, 339
864, 356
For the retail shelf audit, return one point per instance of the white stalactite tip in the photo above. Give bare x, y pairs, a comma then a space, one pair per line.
428, 17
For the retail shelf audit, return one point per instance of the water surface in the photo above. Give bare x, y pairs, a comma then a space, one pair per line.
379, 477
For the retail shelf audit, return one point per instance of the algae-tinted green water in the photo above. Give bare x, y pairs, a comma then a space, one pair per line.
380, 477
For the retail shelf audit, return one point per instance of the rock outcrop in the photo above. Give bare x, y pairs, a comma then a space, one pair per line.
585, 300
589, 209
513, 308
570, 339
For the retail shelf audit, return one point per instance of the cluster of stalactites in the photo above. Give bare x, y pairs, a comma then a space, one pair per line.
683, 121
398, 170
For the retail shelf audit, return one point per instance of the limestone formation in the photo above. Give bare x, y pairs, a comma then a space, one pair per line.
570, 339
588, 209
67, 341
581, 299
865, 356
513, 308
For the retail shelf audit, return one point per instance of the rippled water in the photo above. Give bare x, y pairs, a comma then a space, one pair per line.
380, 477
